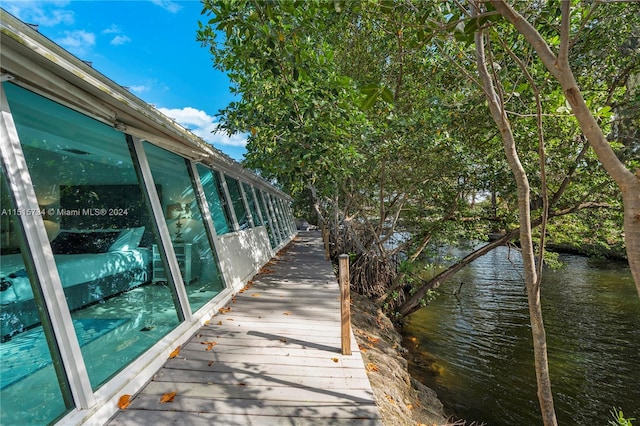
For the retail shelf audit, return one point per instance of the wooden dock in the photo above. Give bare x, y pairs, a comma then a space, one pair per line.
272, 356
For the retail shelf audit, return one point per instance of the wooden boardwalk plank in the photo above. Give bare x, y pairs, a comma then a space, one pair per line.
271, 357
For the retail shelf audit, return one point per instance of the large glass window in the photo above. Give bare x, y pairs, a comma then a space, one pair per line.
238, 204
278, 212
248, 192
198, 264
266, 216
101, 235
214, 193
29, 389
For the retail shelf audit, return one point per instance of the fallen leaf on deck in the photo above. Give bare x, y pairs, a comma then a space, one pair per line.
210, 345
124, 401
168, 397
211, 363
175, 353
286, 313
255, 295
335, 359
219, 322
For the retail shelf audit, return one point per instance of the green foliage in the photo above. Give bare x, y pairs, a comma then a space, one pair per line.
369, 112
619, 419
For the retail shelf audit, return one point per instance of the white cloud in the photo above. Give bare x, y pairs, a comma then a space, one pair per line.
78, 41
45, 13
140, 88
120, 39
113, 29
204, 125
168, 5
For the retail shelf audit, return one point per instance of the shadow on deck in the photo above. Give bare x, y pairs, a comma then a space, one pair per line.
270, 357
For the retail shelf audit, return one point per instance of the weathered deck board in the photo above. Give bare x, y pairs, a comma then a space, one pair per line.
273, 358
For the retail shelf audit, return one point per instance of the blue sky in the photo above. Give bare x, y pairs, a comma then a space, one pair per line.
147, 45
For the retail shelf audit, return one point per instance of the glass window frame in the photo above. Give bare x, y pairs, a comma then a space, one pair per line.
39, 260
222, 198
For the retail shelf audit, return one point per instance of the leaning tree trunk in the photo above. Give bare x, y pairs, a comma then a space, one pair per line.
628, 182
498, 113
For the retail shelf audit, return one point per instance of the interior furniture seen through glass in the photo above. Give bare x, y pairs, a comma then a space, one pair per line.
198, 264
101, 234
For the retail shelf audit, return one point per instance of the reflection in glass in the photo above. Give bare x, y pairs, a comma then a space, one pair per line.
248, 191
278, 214
214, 194
266, 217
198, 265
100, 232
238, 204
26, 365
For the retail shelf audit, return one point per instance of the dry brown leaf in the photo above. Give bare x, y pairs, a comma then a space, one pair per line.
390, 399
335, 359
373, 339
219, 322
255, 295
168, 397
175, 353
211, 363
210, 345
124, 401
224, 310
286, 313
371, 367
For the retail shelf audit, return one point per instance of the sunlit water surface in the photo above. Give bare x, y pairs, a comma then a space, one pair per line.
475, 349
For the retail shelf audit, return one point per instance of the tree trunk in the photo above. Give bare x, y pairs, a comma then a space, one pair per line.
558, 66
496, 106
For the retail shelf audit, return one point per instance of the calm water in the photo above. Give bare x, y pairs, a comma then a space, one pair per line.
476, 351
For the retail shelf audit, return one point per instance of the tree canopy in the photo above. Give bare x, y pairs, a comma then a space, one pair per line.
372, 115
406, 125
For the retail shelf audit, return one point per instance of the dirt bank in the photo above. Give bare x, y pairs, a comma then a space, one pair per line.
401, 399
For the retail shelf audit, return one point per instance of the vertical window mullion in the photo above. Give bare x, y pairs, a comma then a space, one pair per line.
167, 255
229, 201
245, 200
39, 260
275, 218
206, 213
254, 194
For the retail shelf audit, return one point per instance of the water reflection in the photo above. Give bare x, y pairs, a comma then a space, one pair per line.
476, 352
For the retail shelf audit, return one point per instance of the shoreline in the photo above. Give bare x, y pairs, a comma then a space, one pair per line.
401, 399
